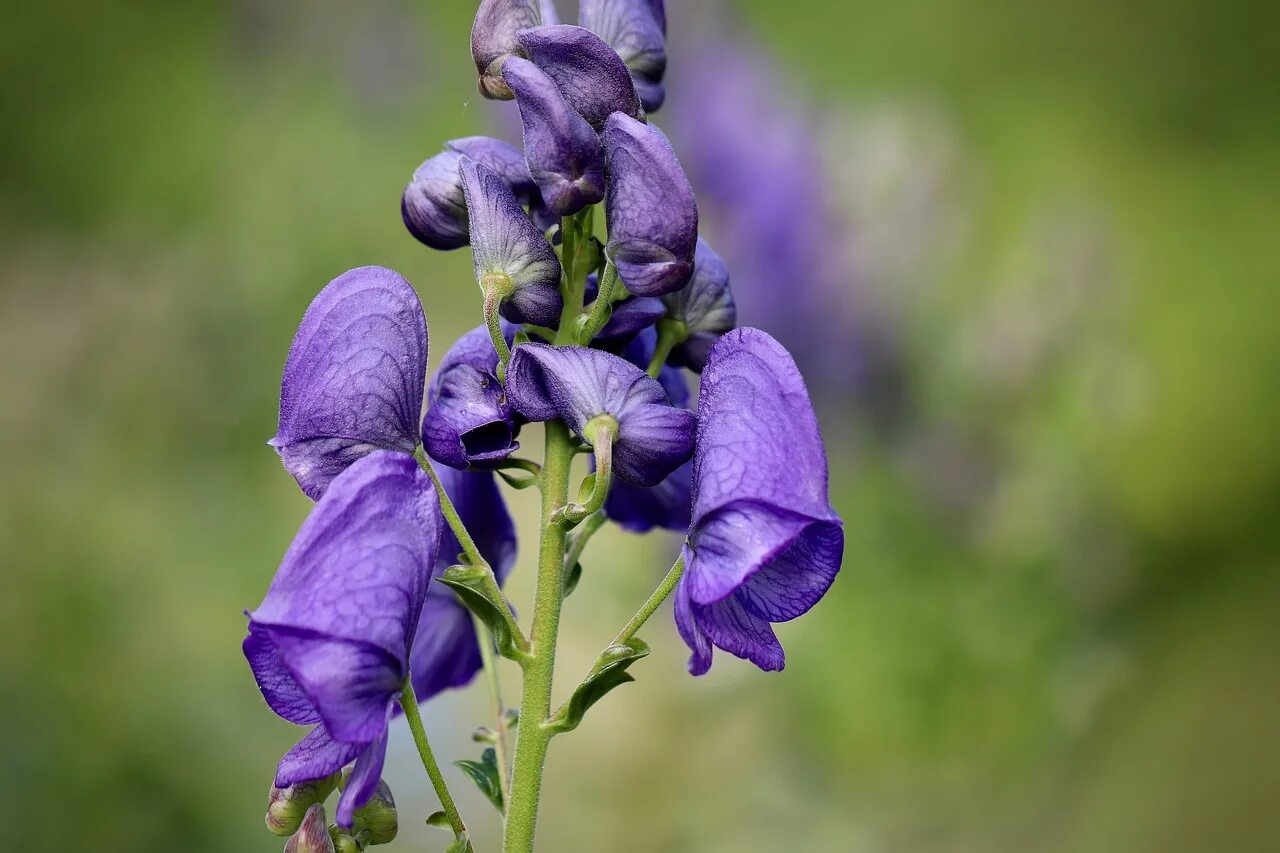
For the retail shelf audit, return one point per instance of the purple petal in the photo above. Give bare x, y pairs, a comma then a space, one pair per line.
354, 377
589, 73
445, 653
350, 682
651, 212
278, 686
500, 157
705, 306
479, 503
469, 422
432, 206
314, 757
494, 38
354, 580
640, 352
730, 626
693, 636
666, 505
630, 317
564, 153
577, 384
793, 581
364, 779
636, 29
508, 248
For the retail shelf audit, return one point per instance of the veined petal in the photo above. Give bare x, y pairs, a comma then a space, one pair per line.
445, 653
564, 153
705, 306
433, 206
690, 632
354, 377
507, 248
588, 72
278, 686
364, 779
650, 208
730, 626
469, 422
316, 756
495, 38
636, 29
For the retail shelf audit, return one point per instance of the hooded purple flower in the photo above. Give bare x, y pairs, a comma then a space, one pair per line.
667, 505
329, 646
765, 543
651, 212
433, 206
564, 154
494, 38
468, 420
354, 377
512, 258
445, 651
589, 73
577, 385
705, 309
637, 30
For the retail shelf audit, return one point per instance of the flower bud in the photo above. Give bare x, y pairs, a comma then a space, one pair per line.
313, 835
343, 843
287, 807
494, 38
379, 815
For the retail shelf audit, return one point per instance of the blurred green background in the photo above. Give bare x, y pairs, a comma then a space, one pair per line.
1057, 625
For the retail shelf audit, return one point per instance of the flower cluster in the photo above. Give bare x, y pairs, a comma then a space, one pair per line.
597, 336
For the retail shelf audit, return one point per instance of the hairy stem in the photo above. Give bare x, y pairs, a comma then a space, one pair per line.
535, 705
665, 587
671, 333
579, 542
409, 702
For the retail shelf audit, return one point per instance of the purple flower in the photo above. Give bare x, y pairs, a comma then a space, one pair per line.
513, 260
651, 212
433, 206
589, 73
445, 651
564, 154
704, 309
765, 543
494, 38
330, 644
468, 420
579, 385
637, 30
354, 377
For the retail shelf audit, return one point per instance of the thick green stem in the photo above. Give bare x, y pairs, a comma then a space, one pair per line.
535, 705
409, 702
670, 334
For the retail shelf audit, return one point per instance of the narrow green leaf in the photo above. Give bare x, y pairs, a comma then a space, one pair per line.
610, 671
571, 579
485, 774
465, 581
439, 819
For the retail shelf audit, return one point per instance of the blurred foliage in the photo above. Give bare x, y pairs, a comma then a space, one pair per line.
1057, 625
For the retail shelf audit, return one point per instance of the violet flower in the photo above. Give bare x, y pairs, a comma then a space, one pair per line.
469, 421
637, 30
445, 651
704, 309
564, 153
588, 72
329, 646
433, 206
354, 377
495, 38
765, 543
580, 385
651, 212
514, 264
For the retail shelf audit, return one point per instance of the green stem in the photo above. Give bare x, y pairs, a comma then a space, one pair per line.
601, 431
409, 702
485, 642
494, 292
579, 542
670, 334
647, 609
602, 308
535, 706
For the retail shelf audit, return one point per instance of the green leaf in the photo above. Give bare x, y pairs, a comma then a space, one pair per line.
610, 671
462, 844
485, 774
517, 479
467, 583
571, 579
439, 819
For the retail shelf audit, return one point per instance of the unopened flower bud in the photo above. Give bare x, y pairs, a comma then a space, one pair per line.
379, 815
287, 807
313, 835
340, 842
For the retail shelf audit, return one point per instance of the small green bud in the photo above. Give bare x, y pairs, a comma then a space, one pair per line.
340, 842
312, 836
379, 815
484, 734
286, 807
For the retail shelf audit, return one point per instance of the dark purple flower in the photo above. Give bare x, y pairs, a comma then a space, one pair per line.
433, 206
354, 377
330, 644
564, 153
445, 651
651, 212
765, 543
589, 73
628, 318
512, 259
468, 420
578, 385
637, 30
494, 38
704, 309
